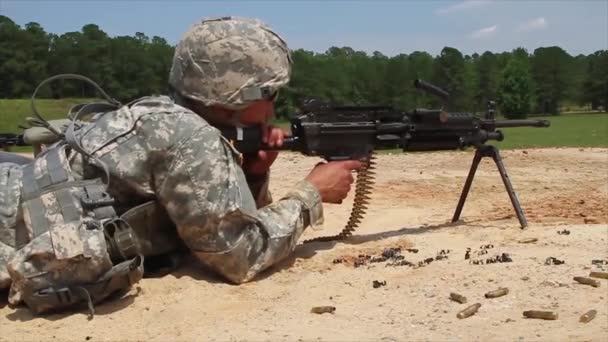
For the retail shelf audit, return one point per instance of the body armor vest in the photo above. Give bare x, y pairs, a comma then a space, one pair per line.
73, 247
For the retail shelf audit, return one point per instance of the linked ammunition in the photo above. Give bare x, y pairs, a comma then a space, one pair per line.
339, 260
587, 281
505, 257
554, 261
548, 315
376, 284
363, 185
441, 257
588, 316
458, 298
497, 293
470, 311
391, 252
323, 309
601, 275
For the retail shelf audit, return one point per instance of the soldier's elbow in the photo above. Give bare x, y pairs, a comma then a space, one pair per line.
234, 270
238, 280
239, 276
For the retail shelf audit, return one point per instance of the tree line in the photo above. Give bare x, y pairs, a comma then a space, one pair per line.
543, 81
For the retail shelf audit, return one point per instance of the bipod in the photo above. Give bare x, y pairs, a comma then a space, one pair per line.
490, 151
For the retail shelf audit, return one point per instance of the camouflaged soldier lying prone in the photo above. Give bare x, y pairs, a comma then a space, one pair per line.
172, 180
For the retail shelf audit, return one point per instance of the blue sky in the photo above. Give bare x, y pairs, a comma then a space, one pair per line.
390, 27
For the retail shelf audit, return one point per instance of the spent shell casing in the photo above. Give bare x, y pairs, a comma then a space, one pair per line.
469, 311
497, 293
528, 240
323, 309
549, 315
458, 298
601, 275
588, 316
587, 281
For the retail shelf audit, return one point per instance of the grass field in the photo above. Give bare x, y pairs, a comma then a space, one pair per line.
14, 112
567, 130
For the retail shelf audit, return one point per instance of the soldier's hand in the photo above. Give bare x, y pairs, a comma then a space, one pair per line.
333, 180
259, 164
274, 136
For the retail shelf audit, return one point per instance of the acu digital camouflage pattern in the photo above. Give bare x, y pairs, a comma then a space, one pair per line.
56, 243
157, 150
223, 61
10, 215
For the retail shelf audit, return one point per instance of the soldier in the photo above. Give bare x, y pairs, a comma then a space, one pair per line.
8, 157
156, 174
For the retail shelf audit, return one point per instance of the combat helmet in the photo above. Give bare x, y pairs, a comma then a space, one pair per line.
230, 61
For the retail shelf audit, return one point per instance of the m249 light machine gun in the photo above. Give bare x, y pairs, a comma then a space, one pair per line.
355, 132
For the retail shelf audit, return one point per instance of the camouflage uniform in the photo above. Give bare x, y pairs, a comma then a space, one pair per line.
10, 218
157, 150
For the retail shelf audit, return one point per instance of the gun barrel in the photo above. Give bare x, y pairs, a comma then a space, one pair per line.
420, 84
522, 123
11, 139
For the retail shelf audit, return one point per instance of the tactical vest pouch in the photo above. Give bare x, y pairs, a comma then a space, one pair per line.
73, 248
154, 229
10, 180
119, 278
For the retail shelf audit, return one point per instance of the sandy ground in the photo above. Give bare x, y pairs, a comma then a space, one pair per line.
412, 205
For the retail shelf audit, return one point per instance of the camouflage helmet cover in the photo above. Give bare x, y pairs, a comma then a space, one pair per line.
230, 61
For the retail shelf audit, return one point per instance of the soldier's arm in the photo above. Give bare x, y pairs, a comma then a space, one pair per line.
206, 194
260, 188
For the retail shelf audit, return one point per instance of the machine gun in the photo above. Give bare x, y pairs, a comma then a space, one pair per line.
336, 132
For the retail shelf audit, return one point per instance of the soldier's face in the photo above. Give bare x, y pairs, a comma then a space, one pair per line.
258, 112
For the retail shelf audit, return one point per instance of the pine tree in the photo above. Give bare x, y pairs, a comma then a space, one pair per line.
514, 90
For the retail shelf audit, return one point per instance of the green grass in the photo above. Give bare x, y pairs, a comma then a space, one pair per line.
567, 130
14, 112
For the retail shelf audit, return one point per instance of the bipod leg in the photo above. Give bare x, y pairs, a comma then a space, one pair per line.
505, 179
467, 185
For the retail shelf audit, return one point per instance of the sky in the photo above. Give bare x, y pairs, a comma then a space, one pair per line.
391, 27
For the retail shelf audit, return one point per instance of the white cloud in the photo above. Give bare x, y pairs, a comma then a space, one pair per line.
484, 32
531, 25
461, 6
